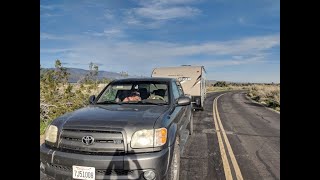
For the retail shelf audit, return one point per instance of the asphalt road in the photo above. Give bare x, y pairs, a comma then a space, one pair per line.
245, 145
253, 134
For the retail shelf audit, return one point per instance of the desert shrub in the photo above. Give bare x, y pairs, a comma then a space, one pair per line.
226, 87
220, 84
58, 96
266, 94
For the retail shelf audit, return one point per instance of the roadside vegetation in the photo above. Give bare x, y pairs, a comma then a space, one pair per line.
266, 94
224, 86
58, 96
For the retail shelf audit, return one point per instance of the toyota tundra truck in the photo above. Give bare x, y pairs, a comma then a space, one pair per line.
116, 139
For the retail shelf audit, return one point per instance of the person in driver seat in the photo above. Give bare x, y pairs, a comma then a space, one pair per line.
134, 96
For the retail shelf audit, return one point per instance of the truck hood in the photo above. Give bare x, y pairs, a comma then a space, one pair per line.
126, 117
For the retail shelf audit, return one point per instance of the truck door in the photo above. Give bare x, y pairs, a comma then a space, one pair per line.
179, 110
185, 110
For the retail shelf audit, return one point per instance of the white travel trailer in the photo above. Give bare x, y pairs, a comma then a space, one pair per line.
192, 79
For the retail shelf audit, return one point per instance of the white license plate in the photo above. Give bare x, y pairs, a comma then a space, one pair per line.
83, 172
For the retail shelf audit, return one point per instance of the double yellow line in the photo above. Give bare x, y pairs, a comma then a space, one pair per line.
220, 130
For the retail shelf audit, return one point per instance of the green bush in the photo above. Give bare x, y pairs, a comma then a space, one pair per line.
220, 84
43, 126
58, 96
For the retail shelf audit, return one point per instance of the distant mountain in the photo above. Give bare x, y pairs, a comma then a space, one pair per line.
76, 74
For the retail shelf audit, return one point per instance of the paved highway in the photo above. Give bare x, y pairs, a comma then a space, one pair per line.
234, 138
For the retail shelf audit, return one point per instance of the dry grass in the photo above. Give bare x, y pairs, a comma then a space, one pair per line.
227, 88
268, 95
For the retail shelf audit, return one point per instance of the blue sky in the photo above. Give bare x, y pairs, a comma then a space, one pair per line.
236, 40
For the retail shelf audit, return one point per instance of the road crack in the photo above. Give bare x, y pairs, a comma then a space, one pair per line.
262, 117
266, 165
263, 162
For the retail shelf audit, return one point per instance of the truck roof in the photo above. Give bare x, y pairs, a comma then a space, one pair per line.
162, 79
180, 67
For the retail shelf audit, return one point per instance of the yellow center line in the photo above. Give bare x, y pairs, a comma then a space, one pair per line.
232, 157
226, 167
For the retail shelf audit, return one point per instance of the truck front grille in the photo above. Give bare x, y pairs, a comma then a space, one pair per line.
59, 167
110, 142
114, 172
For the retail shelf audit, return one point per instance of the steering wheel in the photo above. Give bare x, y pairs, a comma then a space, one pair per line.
157, 97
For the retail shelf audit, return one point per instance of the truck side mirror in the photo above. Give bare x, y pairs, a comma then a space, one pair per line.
183, 101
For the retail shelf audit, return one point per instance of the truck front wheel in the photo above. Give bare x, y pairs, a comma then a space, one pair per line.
190, 125
174, 170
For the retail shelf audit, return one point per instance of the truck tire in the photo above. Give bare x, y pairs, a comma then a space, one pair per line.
174, 169
190, 125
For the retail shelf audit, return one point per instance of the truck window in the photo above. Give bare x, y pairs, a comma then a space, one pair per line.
180, 89
110, 93
175, 90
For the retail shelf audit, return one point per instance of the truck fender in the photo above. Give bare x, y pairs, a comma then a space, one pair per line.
172, 134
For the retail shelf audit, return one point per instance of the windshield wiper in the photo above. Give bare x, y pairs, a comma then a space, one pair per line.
144, 102
109, 102
153, 103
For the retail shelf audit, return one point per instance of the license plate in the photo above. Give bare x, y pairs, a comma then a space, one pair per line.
83, 172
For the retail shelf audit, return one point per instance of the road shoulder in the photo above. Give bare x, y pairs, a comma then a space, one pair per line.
255, 102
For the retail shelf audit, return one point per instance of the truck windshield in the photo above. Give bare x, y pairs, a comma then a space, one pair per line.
135, 93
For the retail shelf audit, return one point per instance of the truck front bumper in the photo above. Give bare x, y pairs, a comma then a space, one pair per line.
58, 165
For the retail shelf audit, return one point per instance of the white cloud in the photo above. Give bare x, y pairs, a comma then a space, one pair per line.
141, 57
65, 37
167, 2
109, 15
157, 49
131, 19
155, 13
48, 36
231, 62
237, 57
57, 50
111, 32
48, 7
241, 20
49, 15
162, 13
108, 33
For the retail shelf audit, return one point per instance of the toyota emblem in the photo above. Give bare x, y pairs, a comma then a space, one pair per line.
87, 140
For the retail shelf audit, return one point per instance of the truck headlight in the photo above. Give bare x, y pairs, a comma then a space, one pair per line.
51, 134
149, 138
